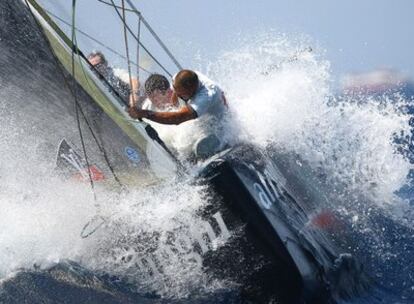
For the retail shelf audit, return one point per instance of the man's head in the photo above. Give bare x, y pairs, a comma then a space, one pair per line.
157, 88
185, 84
99, 62
96, 58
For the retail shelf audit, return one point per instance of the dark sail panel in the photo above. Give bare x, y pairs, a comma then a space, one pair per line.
38, 102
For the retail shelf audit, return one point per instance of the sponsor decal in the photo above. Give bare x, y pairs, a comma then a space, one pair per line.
270, 186
326, 220
96, 174
132, 155
189, 246
71, 164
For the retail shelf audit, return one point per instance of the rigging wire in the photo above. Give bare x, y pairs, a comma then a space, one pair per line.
140, 43
101, 220
77, 105
70, 88
117, 6
139, 37
148, 26
78, 109
148, 128
132, 102
154, 34
101, 147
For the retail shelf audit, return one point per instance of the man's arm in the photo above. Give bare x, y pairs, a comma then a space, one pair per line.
167, 118
134, 90
174, 99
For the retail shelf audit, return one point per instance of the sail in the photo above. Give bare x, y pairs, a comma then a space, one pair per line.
143, 140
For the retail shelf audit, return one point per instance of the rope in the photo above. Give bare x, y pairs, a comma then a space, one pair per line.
132, 102
101, 148
140, 43
78, 109
77, 105
151, 132
79, 53
103, 220
107, 3
139, 36
154, 34
85, 235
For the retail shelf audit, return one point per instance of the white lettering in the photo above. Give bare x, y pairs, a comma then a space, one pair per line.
264, 199
200, 233
154, 265
273, 178
224, 231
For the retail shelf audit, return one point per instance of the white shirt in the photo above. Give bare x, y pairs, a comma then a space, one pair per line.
208, 99
208, 102
210, 106
148, 105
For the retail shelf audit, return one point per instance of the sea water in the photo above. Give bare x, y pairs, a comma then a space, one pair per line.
288, 104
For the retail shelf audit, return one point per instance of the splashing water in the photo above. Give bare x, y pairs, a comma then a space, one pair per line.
150, 237
353, 141
273, 101
144, 239
293, 108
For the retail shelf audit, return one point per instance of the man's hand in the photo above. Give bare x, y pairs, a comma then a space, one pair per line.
135, 113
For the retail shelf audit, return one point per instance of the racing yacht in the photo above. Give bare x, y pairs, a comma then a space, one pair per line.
278, 234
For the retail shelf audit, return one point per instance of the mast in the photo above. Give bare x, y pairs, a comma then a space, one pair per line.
154, 34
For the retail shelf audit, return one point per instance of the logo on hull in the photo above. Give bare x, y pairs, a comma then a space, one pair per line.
132, 155
71, 164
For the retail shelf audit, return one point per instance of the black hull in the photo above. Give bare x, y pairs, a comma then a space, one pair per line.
278, 230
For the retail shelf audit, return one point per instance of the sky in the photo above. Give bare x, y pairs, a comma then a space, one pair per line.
355, 36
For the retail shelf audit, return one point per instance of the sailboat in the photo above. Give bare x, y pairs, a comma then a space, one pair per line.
95, 140
145, 142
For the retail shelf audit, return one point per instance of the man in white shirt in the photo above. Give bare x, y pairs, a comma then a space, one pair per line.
203, 98
201, 95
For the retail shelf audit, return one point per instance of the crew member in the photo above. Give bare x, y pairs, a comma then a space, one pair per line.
126, 92
159, 94
204, 101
